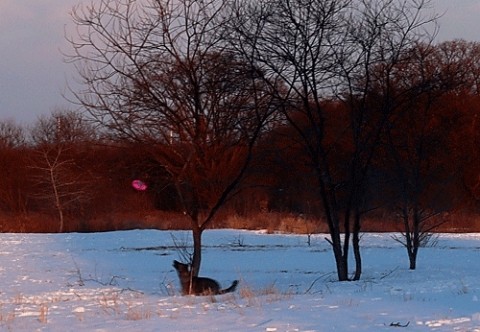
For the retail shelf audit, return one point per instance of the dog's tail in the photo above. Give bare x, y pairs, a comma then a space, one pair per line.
229, 289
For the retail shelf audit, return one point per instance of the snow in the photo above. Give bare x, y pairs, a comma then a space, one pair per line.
124, 281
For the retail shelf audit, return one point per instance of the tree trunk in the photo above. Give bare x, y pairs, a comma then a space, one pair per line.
415, 238
412, 249
356, 247
197, 248
56, 195
412, 257
329, 204
342, 265
341, 260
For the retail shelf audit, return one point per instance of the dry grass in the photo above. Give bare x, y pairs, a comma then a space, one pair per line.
109, 301
43, 313
268, 294
7, 317
19, 304
381, 221
273, 222
139, 312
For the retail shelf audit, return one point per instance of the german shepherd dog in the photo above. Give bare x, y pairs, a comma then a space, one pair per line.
198, 285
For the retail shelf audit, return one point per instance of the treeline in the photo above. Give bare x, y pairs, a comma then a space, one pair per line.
340, 108
64, 174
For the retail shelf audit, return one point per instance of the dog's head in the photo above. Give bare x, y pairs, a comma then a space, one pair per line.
180, 267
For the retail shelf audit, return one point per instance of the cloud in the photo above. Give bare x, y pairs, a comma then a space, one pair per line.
30, 25
459, 20
32, 71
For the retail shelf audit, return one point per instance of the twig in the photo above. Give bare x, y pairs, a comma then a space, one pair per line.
81, 281
398, 324
263, 323
182, 249
329, 241
388, 273
314, 282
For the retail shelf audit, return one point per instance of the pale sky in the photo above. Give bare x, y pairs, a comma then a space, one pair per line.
33, 74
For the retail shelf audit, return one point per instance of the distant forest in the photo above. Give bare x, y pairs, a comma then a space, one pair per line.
64, 173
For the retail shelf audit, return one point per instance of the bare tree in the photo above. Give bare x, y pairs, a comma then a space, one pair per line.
332, 50
381, 36
292, 42
58, 179
62, 127
157, 73
419, 135
11, 135
53, 187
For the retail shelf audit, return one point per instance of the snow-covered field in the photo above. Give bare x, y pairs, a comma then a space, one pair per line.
124, 281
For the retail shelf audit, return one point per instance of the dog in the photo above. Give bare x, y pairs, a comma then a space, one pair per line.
199, 285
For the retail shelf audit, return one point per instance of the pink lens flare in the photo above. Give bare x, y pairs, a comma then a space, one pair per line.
139, 185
